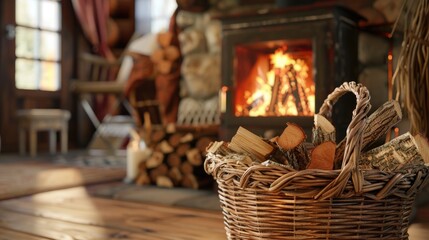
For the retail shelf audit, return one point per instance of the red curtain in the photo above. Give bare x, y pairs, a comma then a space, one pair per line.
93, 16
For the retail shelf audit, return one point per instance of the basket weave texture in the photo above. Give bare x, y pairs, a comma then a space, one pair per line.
274, 202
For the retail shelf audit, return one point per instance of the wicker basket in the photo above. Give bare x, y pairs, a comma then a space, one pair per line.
272, 202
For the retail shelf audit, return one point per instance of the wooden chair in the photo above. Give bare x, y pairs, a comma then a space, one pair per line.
99, 76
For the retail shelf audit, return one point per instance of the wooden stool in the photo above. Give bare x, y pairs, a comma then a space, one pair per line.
35, 120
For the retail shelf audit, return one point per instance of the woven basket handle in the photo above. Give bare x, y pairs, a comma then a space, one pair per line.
353, 138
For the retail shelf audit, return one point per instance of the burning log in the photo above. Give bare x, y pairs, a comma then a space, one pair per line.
400, 153
293, 86
247, 142
275, 92
323, 130
291, 143
378, 123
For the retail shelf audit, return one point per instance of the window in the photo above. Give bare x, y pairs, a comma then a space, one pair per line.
154, 16
38, 45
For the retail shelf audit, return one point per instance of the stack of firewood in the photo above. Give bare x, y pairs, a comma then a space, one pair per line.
165, 57
291, 150
177, 158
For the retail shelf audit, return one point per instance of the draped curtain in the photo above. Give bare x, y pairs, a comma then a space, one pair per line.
93, 16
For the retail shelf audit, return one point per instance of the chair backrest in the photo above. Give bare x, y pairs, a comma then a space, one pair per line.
95, 68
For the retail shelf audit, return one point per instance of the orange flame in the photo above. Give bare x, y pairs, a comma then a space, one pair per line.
286, 89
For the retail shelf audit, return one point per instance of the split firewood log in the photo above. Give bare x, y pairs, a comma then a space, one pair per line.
143, 178
157, 55
247, 142
157, 136
173, 160
165, 66
189, 181
202, 144
174, 139
171, 53
291, 143
154, 160
194, 157
322, 156
400, 153
182, 149
186, 168
161, 170
220, 148
175, 175
323, 130
164, 147
378, 124
164, 39
164, 181
188, 137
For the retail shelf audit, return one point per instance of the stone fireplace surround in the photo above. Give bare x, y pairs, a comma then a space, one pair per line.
202, 81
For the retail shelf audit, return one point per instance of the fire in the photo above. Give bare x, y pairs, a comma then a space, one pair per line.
287, 89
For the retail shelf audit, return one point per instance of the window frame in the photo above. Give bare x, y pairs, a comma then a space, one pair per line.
39, 60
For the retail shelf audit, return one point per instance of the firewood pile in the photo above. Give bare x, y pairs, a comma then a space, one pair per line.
177, 157
292, 151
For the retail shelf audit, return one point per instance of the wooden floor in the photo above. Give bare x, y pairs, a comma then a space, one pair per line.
73, 214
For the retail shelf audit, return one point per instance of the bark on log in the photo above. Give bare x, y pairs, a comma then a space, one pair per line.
378, 124
174, 139
323, 130
291, 143
202, 144
400, 153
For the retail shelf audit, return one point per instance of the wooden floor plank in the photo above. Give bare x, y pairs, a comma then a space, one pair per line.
6, 234
75, 206
17, 179
61, 230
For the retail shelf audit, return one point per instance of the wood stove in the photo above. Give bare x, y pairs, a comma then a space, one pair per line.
279, 65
